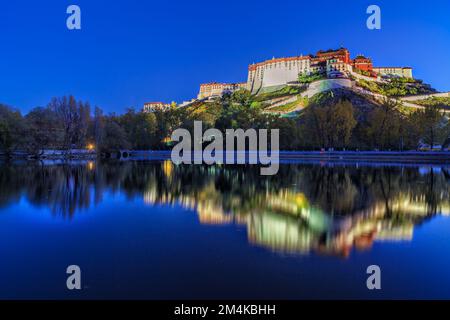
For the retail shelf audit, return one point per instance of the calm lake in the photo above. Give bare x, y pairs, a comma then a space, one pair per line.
153, 230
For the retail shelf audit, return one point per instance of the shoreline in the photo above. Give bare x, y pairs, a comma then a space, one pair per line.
406, 157
411, 157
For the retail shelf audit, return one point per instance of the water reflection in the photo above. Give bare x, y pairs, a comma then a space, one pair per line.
327, 209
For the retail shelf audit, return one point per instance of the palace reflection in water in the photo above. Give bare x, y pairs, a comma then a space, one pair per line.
321, 208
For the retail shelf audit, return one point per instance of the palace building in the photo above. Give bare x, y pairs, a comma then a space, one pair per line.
277, 72
394, 71
362, 63
155, 106
341, 54
274, 74
215, 89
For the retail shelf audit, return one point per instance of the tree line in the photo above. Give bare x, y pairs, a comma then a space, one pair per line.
66, 123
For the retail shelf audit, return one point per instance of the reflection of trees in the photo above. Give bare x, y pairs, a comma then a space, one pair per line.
9, 187
325, 208
64, 188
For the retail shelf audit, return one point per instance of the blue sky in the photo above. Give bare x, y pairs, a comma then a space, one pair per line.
129, 52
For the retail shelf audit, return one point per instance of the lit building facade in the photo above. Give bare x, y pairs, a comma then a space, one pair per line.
341, 54
405, 72
362, 63
277, 72
273, 74
216, 89
336, 65
155, 106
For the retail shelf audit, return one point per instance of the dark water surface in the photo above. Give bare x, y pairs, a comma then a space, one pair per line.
159, 231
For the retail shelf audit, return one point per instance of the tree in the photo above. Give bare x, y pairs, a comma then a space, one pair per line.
167, 121
43, 130
98, 126
329, 126
343, 123
141, 129
289, 131
113, 137
65, 109
74, 117
432, 125
385, 125
82, 122
12, 130
242, 97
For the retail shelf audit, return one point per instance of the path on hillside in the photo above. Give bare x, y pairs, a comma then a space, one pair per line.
286, 100
402, 100
330, 84
320, 86
325, 85
426, 96
281, 101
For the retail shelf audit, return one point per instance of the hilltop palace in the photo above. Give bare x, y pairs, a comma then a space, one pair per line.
274, 74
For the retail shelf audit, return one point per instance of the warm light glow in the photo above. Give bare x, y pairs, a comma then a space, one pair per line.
168, 168
90, 146
91, 165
